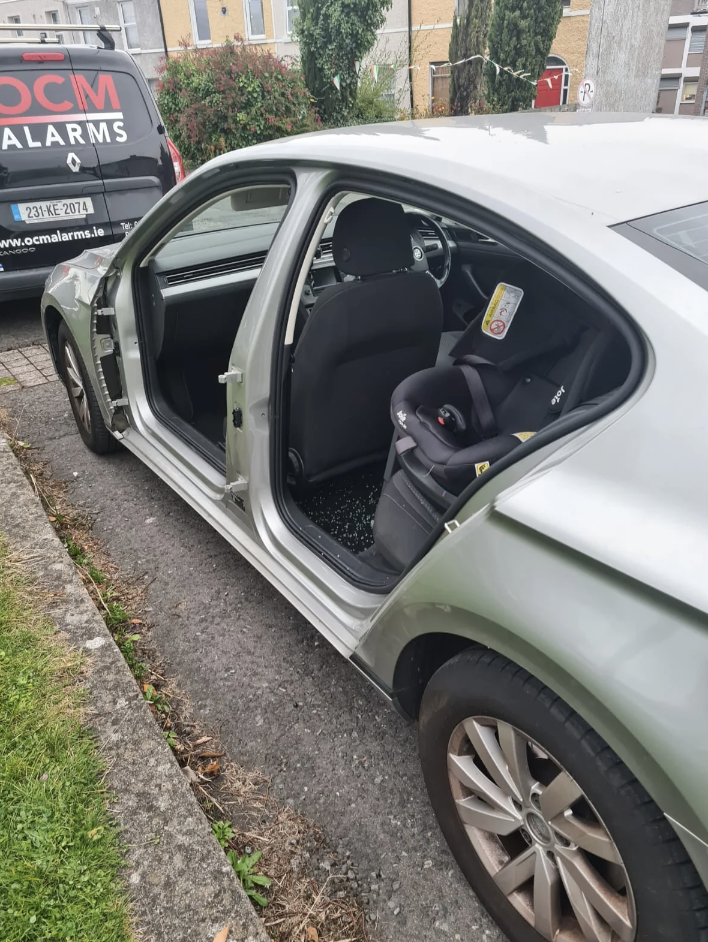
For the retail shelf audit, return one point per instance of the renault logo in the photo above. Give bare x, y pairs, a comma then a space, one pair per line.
73, 162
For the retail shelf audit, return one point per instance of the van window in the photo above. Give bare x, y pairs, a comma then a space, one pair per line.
60, 109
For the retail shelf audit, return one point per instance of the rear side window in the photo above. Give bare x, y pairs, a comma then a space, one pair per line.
678, 237
685, 229
61, 109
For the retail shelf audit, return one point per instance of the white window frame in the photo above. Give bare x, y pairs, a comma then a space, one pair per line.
50, 22
16, 19
126, 26
193, 19
688, 80
697, 33
87, 41
291, 7
247, 16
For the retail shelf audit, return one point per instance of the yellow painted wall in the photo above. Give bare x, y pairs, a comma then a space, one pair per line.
178, 24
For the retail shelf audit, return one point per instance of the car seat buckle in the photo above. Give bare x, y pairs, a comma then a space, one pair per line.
451, 525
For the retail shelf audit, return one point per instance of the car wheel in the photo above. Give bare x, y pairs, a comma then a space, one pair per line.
83, 400
557, 837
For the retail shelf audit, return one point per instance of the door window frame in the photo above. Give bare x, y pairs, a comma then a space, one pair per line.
505, 232
232, 179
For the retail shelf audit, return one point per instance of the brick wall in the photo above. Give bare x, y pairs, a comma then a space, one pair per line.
571, 43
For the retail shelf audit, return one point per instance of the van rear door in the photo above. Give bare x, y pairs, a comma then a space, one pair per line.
52, 196
127, 132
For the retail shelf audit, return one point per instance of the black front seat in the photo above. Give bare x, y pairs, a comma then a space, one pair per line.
361, 340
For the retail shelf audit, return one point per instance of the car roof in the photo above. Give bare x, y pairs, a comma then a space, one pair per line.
614, 166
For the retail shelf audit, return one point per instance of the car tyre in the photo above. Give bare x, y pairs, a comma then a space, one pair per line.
82, 397
489, 730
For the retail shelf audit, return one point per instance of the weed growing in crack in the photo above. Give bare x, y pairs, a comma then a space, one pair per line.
156, 699
245, 865
126, 644
245, 869
223, 832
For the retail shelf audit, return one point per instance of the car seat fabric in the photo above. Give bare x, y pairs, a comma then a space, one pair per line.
403, 520
361, 339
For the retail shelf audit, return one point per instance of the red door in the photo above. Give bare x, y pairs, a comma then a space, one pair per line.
547, 96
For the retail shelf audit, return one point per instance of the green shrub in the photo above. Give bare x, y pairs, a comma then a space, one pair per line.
375, 98
226, 97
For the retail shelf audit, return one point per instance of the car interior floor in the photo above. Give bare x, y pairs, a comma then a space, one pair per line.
344, 506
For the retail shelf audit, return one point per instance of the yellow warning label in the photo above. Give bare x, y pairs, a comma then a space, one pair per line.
501, 310
481, 467
524, 436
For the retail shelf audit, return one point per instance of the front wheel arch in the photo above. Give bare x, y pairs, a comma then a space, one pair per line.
52, 322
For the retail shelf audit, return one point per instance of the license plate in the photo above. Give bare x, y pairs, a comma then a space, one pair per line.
43, 210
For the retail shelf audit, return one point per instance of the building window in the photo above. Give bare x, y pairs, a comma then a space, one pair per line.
85, 19
130, 27
690, 89
439, 85
566, 3
698, 41
254, 19
200, 21
53, 17
670, 83
291, 14
677, 32
16, 19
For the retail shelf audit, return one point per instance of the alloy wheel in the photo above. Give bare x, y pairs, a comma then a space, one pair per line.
76, 387
538, 836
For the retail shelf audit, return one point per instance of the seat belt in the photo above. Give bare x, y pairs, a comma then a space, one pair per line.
486, 425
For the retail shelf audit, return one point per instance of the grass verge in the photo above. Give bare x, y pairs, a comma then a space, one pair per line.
59, 850
301, 888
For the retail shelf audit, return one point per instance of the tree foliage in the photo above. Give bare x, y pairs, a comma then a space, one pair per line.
334, 35
520, 37
469, 38
226, 97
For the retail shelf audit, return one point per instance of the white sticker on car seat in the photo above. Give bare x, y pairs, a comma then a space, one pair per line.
502, 308
523, 436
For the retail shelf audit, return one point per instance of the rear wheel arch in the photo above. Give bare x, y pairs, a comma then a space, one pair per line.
488, 689
417, 663
423, 656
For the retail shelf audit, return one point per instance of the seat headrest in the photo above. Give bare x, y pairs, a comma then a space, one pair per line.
371, 237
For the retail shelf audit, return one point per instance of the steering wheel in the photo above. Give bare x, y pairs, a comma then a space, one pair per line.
434, 256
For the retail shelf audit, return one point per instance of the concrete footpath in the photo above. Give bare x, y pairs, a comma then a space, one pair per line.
179, 881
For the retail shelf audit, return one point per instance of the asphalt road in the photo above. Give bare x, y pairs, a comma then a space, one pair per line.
251, 666
20, 324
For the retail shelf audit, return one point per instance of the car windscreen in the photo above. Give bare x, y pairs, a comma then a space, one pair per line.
678, 237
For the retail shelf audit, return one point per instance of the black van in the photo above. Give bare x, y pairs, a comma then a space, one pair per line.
83, 156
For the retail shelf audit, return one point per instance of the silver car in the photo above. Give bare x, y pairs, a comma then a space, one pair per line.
443, 384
